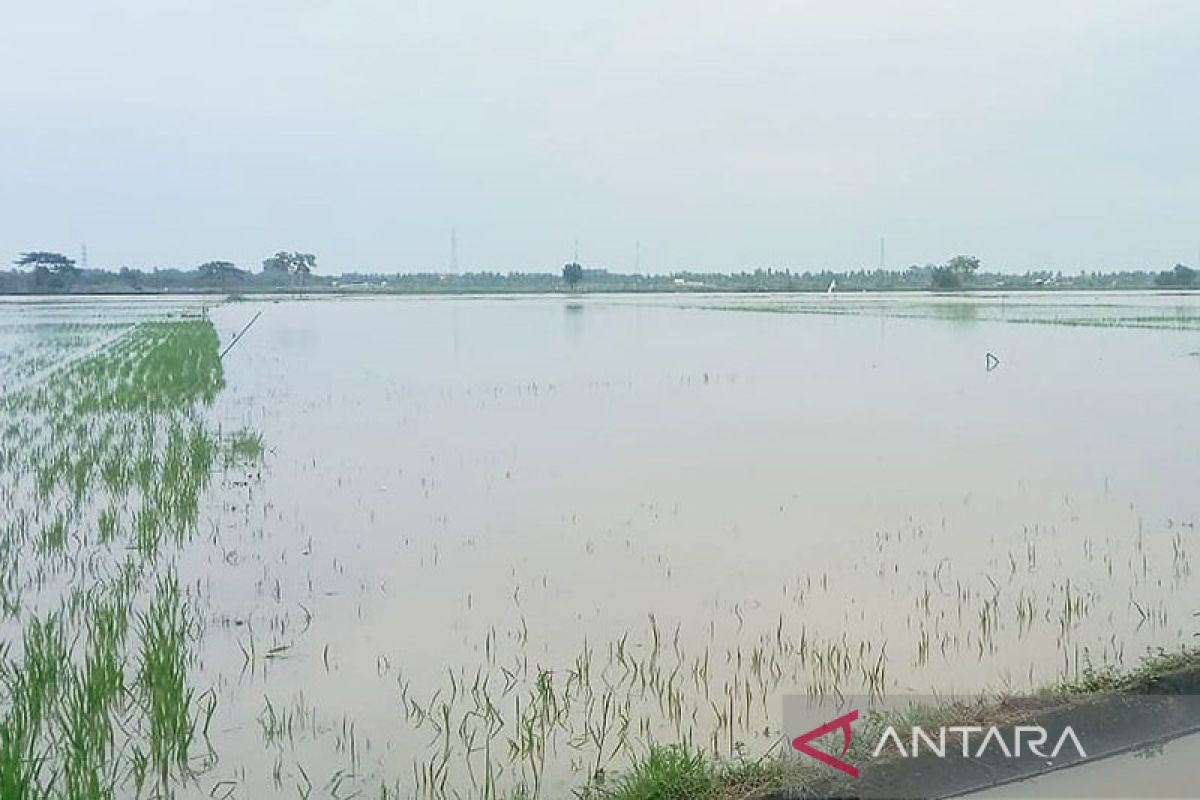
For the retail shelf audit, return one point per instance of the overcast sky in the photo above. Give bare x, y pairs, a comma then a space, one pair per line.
720, 135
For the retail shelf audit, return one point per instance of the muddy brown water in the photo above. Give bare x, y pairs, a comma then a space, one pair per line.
819, 499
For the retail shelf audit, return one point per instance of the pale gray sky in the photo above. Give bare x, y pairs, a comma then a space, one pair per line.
721, 134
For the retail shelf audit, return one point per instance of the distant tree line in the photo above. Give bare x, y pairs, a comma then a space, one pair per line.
43, 272
1180, 277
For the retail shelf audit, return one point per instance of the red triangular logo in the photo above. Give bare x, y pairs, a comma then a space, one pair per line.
801, 743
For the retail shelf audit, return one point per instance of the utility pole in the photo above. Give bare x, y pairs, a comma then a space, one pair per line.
637, 257
454, 250
882, 253
83, 256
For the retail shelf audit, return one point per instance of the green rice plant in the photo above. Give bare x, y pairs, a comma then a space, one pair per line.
147, 525
164, 630
201, 451
106, 524
19, 770
36, 684
32, 688
86, 724
243, 447
54, 535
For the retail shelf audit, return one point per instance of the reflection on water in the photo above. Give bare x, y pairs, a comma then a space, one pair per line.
573, 320
954, 312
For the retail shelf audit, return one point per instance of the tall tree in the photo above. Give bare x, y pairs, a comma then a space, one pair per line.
296, 265
219, 273
303, 265
42, 258
955, 273
572, 273
278, 264
52, 271
1180, 277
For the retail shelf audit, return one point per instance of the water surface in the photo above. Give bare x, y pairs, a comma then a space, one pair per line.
476, 491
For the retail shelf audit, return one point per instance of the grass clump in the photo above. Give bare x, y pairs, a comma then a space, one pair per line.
679, 772
670, 772
1142, 678
243, 447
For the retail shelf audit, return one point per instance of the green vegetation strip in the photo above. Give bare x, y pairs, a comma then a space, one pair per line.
102, 469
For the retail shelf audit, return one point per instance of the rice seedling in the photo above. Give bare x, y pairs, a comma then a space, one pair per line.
244, 447
106, 459
162, 680
121, 535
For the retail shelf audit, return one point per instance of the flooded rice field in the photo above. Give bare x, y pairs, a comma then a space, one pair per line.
38, 335
494, 547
